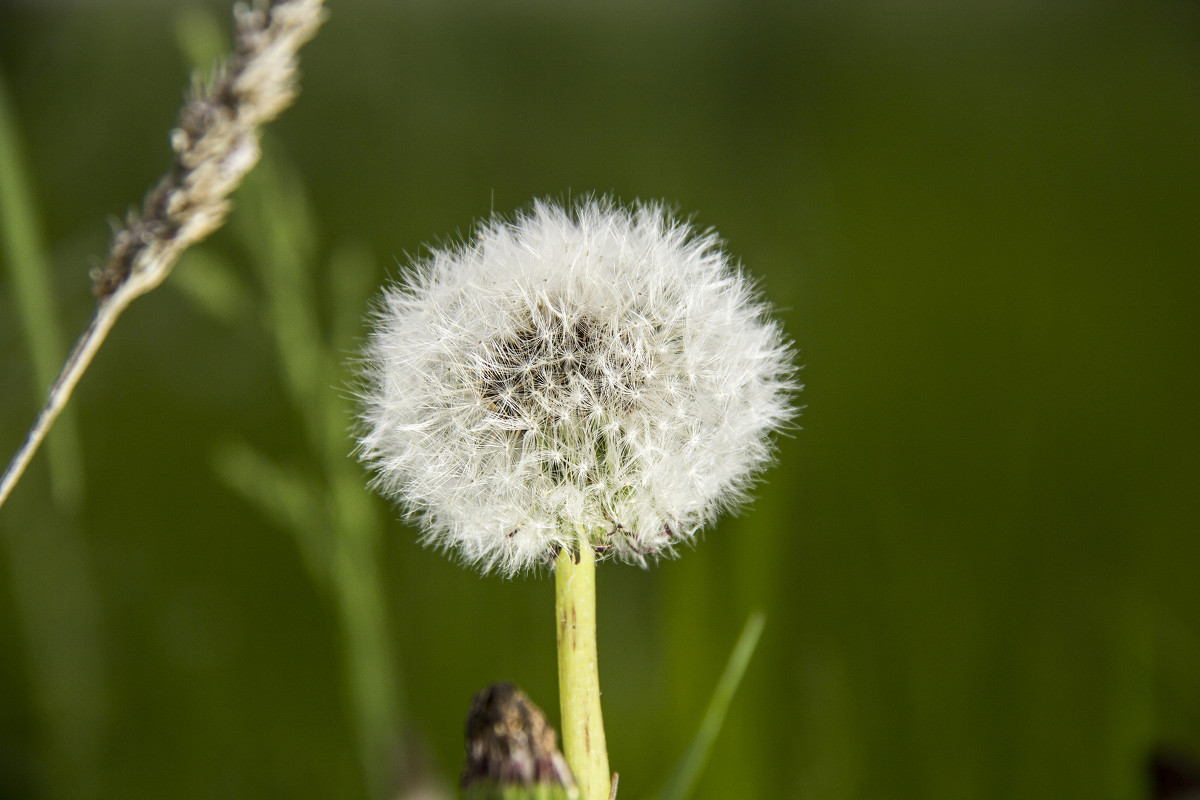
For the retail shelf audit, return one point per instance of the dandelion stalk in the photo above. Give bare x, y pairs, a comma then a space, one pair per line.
578, 672
216, 143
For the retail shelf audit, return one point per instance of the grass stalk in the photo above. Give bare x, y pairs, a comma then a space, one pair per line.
215, 144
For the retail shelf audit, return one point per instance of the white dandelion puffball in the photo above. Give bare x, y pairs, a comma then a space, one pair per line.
592, 376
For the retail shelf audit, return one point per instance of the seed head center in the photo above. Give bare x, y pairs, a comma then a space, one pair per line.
554, 369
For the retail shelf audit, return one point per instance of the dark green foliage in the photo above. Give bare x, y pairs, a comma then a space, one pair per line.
978, 557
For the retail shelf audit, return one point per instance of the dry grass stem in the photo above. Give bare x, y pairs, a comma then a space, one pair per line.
216, 143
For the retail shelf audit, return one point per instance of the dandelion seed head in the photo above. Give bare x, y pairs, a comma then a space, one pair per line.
587, 376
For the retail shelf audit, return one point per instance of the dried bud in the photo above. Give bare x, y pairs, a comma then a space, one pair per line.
512, 751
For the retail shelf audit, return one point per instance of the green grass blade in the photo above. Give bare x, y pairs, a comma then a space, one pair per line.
683, 780
343, 531
22, 245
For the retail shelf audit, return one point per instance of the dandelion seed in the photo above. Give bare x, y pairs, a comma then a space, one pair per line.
594, 376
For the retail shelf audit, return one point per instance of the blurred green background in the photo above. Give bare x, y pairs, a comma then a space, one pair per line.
979, 557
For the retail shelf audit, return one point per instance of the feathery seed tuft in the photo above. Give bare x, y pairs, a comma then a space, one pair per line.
595, 376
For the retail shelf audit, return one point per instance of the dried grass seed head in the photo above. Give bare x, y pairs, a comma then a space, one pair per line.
587, 376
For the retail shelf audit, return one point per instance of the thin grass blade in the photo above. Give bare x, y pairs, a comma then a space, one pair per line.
683, 780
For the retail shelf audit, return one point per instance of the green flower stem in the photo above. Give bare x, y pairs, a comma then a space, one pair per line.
578, 676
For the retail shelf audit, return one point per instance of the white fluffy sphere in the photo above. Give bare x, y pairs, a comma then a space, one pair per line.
593, 376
